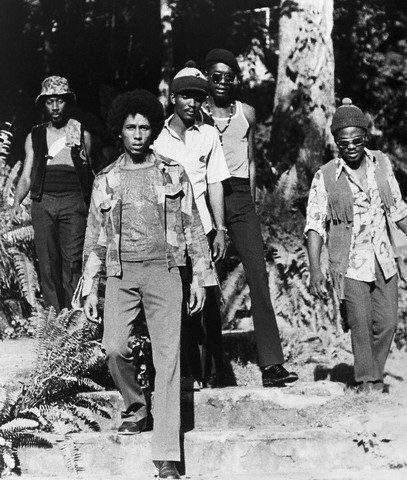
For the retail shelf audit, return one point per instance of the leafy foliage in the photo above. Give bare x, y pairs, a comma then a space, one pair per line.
54, 399
16, 431
307, 325
370, 52
18, 277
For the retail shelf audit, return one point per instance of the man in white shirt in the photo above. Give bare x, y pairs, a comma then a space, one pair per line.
197, 148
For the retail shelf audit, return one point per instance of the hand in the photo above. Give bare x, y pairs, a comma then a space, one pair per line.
197, 300
219, 246
317, 284
90, 307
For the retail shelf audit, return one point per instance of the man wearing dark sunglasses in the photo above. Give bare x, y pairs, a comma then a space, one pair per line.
354, 203
235, 123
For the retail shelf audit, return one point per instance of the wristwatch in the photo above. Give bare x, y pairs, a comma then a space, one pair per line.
221, 228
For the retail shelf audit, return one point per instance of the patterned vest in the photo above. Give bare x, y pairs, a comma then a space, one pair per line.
340, 215
79, 159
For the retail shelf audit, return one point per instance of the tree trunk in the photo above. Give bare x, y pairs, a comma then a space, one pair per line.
167, 52
304, 98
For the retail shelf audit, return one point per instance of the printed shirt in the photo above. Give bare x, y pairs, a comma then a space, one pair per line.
202, 157
142, 233
183, 228
369, 233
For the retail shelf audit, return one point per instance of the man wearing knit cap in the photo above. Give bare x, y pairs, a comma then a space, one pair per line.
354, 204
197, 148
57, 172
235, 122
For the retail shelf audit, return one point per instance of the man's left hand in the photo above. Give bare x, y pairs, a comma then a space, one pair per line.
197, 300
219, 246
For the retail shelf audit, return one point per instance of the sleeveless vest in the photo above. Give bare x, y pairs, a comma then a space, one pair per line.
340, 215
79, 159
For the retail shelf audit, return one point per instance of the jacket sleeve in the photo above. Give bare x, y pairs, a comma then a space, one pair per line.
196, 242
94, 250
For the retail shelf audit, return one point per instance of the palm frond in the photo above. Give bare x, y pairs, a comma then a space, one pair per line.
9, 185
28, 440
19, 236
71, 454
86, 416
27, 276
18, 425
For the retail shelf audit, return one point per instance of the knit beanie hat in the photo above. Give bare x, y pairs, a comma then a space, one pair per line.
348, 115
189, 78
220, 55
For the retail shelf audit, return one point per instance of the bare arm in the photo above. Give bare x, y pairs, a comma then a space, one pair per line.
317, 280
215, 193
24, 182
250, 115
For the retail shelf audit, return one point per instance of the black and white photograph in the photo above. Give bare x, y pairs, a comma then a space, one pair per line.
203, 239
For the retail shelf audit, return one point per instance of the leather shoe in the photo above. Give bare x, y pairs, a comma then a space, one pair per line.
167, 469
277, 376
133, 428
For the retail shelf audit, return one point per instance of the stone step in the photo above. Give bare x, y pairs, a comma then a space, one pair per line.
342, 474
241, 407
209, 453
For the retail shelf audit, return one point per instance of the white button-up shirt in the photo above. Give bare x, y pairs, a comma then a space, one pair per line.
202, 157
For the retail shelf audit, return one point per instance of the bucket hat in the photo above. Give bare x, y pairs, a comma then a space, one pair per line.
53, 86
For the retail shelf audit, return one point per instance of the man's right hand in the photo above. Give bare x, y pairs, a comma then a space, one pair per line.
90, 307
317, 284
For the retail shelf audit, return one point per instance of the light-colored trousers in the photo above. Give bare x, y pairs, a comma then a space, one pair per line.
159, 289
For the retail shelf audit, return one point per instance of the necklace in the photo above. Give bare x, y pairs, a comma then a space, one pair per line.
221, 130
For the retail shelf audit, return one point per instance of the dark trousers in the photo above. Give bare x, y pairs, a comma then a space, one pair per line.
201, 340
201, 344
244, 230
59, 222
371, 309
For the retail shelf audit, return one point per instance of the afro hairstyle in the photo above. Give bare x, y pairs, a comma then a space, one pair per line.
131, 103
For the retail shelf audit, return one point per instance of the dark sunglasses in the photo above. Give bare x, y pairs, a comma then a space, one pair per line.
357, 142
218, 77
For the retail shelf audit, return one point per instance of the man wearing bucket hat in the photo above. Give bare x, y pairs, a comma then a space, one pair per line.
196, 147
57, 173
354, 204
235, 122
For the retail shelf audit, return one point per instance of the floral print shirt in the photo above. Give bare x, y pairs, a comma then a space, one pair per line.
370, 239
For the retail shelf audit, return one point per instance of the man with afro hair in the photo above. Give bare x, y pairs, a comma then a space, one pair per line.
143, 225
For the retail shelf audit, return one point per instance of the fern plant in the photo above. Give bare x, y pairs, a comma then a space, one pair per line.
18, 278
17, 429
68, 354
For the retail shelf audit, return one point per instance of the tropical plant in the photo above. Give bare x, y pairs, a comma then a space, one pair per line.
68, 356
17, 429
19, 286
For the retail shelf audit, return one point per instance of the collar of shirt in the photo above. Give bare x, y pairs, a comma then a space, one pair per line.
341, 164
196, 126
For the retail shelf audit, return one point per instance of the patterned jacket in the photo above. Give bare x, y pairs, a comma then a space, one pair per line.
184, 234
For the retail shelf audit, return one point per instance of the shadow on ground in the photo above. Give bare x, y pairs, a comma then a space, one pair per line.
342, 373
